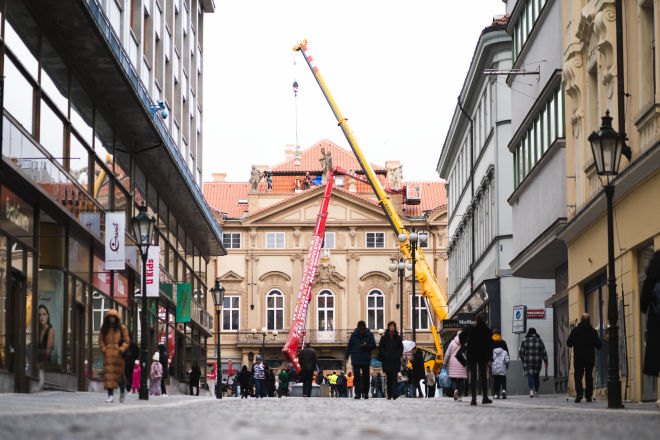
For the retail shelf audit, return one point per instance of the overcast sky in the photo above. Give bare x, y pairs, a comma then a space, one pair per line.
394, 68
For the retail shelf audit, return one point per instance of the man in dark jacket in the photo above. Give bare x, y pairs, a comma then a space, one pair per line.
479, 338
307, 359
293, 376
359, 349
418, 371
584, 339
163, 358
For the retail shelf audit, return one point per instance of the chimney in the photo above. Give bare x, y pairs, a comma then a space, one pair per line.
392, 163
219, 177
289, 151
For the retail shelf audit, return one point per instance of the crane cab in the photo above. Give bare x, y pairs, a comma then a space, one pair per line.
412, 194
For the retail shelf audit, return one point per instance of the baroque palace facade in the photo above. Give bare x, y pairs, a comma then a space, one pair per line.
267, 235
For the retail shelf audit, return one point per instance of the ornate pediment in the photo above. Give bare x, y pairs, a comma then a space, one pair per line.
375, 280
275, 280
231, 276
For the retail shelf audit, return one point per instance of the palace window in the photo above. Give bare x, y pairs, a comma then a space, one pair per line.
231, 312
375, 240
275, 310
375, 310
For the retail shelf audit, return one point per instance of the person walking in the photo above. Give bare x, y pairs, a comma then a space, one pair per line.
584, 340
270, 381
195, 375
155, 375
131, 355
349, 384
244, 379
163, 358
236, 384
457, 372
284, 384
531, 353
479, 340
307, 359
502, 357
113, 343
293, 376
320, 378
359, 348
259, 377
380, 385
650, 306
341, 384
403, 384
500, 365
417, 372
137, 375
390, 349
333, 384
430, 383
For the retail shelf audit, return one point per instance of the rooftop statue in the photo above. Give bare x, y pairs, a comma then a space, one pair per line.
255, 178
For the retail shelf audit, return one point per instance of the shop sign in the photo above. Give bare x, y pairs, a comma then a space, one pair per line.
166, 288
153, 271
519, 319
121, 289
115, 256
466, 319
535, 313
449, 324
17, 216
183, 302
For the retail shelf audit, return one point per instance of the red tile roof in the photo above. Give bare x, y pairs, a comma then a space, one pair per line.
309, 160
224, 196
502, 20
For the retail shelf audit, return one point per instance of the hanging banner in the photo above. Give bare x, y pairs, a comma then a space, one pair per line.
153, 271
183, 302
115, 256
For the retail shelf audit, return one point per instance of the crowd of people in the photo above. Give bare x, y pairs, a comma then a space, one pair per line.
475, 353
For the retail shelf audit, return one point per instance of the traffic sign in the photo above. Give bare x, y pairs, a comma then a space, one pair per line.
519, 319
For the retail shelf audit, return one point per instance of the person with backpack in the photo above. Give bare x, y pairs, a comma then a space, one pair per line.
650, 306
455, 369
531, 353
584, 340
156, 374
349, 384
430, 383
341, 384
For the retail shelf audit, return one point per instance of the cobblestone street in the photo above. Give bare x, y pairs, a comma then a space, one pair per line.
86, 416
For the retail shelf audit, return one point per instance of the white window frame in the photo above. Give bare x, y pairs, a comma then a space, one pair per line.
420, 309
275, 294
327, 294
331, 243
274, 236
231, 237
105, 302
366, 240
375, 294
231, 309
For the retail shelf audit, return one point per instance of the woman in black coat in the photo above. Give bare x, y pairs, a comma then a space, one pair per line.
479, 340
195, 374
650, 305
244, 379
390, 350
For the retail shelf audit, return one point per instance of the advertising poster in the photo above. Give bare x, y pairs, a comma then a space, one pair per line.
49, 318
183, 302
121, 289
115, 257
153, 272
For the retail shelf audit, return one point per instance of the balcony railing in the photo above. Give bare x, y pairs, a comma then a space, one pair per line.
314, 336
201, 316
115, 44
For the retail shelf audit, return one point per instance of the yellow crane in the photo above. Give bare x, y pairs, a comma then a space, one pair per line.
430, 289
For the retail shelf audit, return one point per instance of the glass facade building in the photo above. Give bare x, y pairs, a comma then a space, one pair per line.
80, 139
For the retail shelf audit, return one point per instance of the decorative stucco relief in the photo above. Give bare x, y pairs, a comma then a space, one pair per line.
375, 280
274, 280
605, 31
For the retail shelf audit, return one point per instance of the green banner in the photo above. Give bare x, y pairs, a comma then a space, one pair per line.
183, 302
167, 288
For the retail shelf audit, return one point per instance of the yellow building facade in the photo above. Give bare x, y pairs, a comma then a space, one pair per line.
268, 235
590, 75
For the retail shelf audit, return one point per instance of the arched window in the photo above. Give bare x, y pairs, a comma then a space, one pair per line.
275, 310
326, 310
375, 310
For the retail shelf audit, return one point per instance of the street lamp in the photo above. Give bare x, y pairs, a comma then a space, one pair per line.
401, 267
143, 228
416, 237
607, 146
264, 334
218, 293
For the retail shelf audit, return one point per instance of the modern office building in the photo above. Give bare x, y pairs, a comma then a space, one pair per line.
81, 138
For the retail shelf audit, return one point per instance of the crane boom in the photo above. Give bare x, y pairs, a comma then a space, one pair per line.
431, 290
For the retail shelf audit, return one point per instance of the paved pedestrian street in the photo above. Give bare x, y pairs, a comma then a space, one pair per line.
55, 415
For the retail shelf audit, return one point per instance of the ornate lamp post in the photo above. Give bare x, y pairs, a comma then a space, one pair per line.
143, 228
264, 334
218, 293
415, 237
607, 146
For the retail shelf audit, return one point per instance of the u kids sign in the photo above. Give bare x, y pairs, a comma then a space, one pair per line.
535, 313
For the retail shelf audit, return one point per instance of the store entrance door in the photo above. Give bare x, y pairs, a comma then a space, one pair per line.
17, 312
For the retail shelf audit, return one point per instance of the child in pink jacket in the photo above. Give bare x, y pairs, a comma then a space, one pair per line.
137, 374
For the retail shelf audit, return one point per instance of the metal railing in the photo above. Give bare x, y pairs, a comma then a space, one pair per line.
340, 336
201, 316
115, 44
